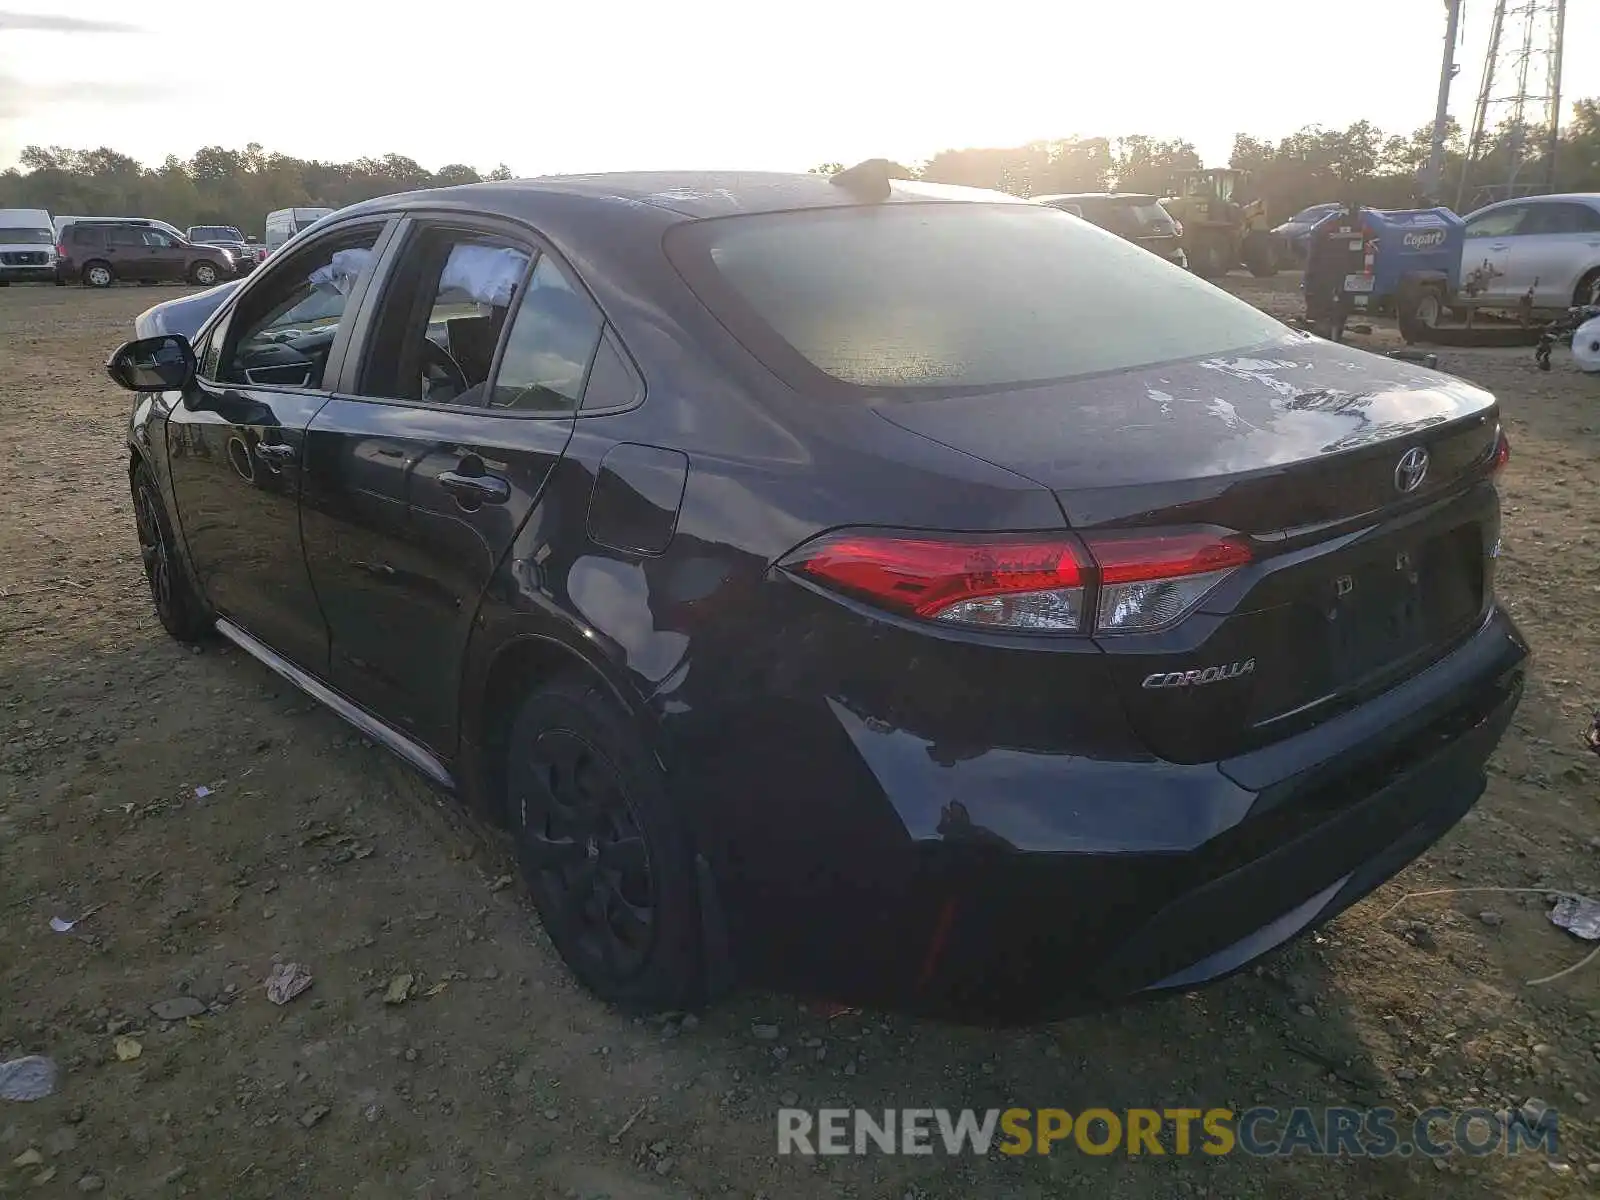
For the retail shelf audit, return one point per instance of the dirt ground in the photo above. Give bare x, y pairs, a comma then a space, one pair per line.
497, 1077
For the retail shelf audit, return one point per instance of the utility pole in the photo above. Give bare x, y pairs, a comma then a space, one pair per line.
1433, 173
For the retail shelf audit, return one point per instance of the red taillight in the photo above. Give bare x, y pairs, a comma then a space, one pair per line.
1140, 557
1142, 581
996, 580
61, 250
1502, 452
1149, 580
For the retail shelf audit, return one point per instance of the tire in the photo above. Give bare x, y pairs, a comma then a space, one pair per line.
1209, 258
1419, 312
98, 275
204, 274
182, 611
1260, 255
1588, 290
582, 788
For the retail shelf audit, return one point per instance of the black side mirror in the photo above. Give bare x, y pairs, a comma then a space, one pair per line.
153, 364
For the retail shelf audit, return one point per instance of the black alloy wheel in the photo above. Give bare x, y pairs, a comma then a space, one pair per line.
606, 854
588, 853
180, 609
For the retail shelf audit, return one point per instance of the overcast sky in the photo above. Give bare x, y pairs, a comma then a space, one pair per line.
619, 84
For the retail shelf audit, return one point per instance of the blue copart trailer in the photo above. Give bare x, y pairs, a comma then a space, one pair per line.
1392, 249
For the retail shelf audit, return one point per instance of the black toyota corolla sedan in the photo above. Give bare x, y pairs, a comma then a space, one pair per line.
896, 594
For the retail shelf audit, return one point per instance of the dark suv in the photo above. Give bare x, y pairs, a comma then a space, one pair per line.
100, 254
245, 250
1136, 216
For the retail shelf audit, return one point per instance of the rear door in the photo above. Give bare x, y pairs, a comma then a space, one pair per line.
1492, 242
436, 451
235, 443
1559, 241
127, 252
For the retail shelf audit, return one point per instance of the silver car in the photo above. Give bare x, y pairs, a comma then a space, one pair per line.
1550, 244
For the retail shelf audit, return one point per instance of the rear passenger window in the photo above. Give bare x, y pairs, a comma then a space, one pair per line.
612, 382
553, 339
1560, 218
441, 317
126, 235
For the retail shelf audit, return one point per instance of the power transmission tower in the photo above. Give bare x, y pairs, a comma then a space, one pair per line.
1517, 118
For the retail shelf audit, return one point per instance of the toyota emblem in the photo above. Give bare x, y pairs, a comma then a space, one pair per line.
1411, 470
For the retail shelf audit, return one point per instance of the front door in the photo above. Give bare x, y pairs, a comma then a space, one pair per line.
165, 256
236, 441
1490, 249
419, 475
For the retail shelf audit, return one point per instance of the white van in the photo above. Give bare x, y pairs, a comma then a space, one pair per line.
286, 222
27, 246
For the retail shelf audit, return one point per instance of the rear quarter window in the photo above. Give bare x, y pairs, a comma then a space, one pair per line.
940, 297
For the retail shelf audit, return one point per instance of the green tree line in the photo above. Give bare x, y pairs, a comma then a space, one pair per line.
1313, 165
1362, 162
217, 186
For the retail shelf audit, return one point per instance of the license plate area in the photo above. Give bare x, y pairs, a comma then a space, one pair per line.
1394, 602
1358, 283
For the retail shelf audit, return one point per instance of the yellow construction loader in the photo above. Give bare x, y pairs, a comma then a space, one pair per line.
1221, 229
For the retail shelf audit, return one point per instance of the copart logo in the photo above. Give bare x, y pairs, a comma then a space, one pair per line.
1171, 679
1425, 240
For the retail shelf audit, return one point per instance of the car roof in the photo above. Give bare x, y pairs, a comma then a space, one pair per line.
684, 194
1079, 197
1590, 198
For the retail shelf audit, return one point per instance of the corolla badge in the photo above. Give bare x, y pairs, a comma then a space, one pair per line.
1411, 470
1170, 679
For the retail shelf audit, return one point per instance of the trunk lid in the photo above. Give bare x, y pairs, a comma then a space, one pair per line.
1300, 433
1359, 577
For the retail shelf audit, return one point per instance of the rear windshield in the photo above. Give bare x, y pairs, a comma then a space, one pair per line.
1139, 216
215, 233
952, 296
25, 237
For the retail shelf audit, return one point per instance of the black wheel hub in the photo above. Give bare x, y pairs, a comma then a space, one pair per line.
153, 549
587, 852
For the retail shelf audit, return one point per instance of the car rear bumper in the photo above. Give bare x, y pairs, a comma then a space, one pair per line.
1031, 886
1168, 247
